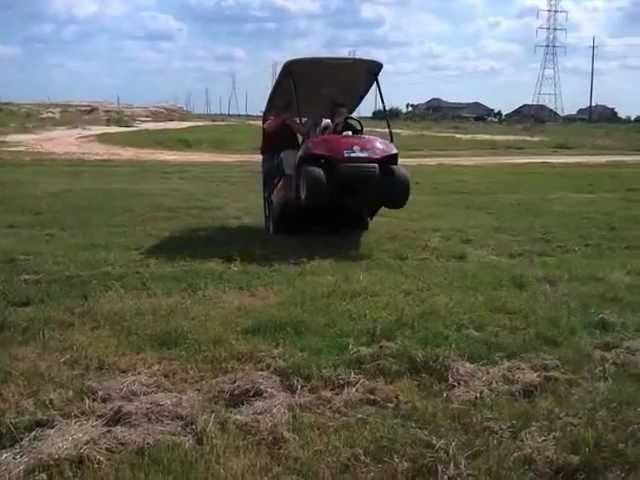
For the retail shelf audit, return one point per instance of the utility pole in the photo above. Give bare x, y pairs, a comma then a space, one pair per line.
593, 69
548, 89
246, 102
207, 102
220, 108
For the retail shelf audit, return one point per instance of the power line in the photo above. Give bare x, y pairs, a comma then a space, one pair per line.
548, 89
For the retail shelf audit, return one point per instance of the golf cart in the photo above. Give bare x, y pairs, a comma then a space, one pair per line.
339, 180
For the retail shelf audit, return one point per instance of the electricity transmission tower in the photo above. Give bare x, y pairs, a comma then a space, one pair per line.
207, 102
548, 87
233, 96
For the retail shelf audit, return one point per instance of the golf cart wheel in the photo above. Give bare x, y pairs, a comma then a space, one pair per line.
360, 223
396, 188
312, 187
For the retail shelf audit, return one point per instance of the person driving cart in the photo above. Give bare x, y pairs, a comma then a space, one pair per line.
279, 133
339, 115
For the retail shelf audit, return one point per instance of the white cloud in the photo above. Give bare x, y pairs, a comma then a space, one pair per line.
9, 51
294, 6
81, 9
160, 26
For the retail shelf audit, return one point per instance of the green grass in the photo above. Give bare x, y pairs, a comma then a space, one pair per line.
240, 138
567, 139
110, 267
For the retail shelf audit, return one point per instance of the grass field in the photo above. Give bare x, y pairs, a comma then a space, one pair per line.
565, 139
489, 330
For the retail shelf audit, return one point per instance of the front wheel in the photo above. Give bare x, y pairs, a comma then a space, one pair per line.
396, 188
312, 187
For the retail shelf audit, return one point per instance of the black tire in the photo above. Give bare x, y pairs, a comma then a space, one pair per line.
312, 187
396, 188
360, 223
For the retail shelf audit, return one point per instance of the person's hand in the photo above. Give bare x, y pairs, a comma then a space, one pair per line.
295, 125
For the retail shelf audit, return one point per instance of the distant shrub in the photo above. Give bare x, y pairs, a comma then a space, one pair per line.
394, 113
119, 119
637, 119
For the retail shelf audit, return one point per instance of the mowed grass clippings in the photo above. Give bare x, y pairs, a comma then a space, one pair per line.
149, 328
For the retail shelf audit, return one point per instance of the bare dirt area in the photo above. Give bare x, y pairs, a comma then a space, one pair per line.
81, 144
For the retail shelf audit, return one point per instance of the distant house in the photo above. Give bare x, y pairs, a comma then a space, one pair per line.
439, 108
533, 113
601, 113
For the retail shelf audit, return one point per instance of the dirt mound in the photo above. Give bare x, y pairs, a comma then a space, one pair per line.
472, 382
128, 413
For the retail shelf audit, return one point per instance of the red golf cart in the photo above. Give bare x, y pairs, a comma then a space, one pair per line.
339, 180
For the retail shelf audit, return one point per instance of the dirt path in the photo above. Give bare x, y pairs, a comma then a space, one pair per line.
462, 136
81, 143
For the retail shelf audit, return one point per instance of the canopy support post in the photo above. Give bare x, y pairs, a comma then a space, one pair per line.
295, 97
384, 109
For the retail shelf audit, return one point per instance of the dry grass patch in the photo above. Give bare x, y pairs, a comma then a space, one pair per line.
539, 451
624, 355
131, 412
263, 402
140, 409
522, 380
258, 297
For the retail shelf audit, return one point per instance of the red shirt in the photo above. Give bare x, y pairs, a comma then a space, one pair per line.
281, 138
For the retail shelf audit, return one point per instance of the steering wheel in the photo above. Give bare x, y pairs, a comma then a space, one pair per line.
353, 125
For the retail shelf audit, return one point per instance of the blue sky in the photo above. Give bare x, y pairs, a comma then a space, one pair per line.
157, 50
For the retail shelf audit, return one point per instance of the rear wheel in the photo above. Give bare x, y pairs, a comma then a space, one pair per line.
312, 187
396, 188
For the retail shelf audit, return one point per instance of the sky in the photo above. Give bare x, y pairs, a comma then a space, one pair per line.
152, 51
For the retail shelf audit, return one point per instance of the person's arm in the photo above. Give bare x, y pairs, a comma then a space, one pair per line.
274, 123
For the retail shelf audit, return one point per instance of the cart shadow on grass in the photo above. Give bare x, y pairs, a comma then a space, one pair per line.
250, 244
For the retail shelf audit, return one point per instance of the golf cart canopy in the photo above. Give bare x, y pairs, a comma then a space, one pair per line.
311, 87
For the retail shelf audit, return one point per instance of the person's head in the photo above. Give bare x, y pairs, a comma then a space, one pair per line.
339, 112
